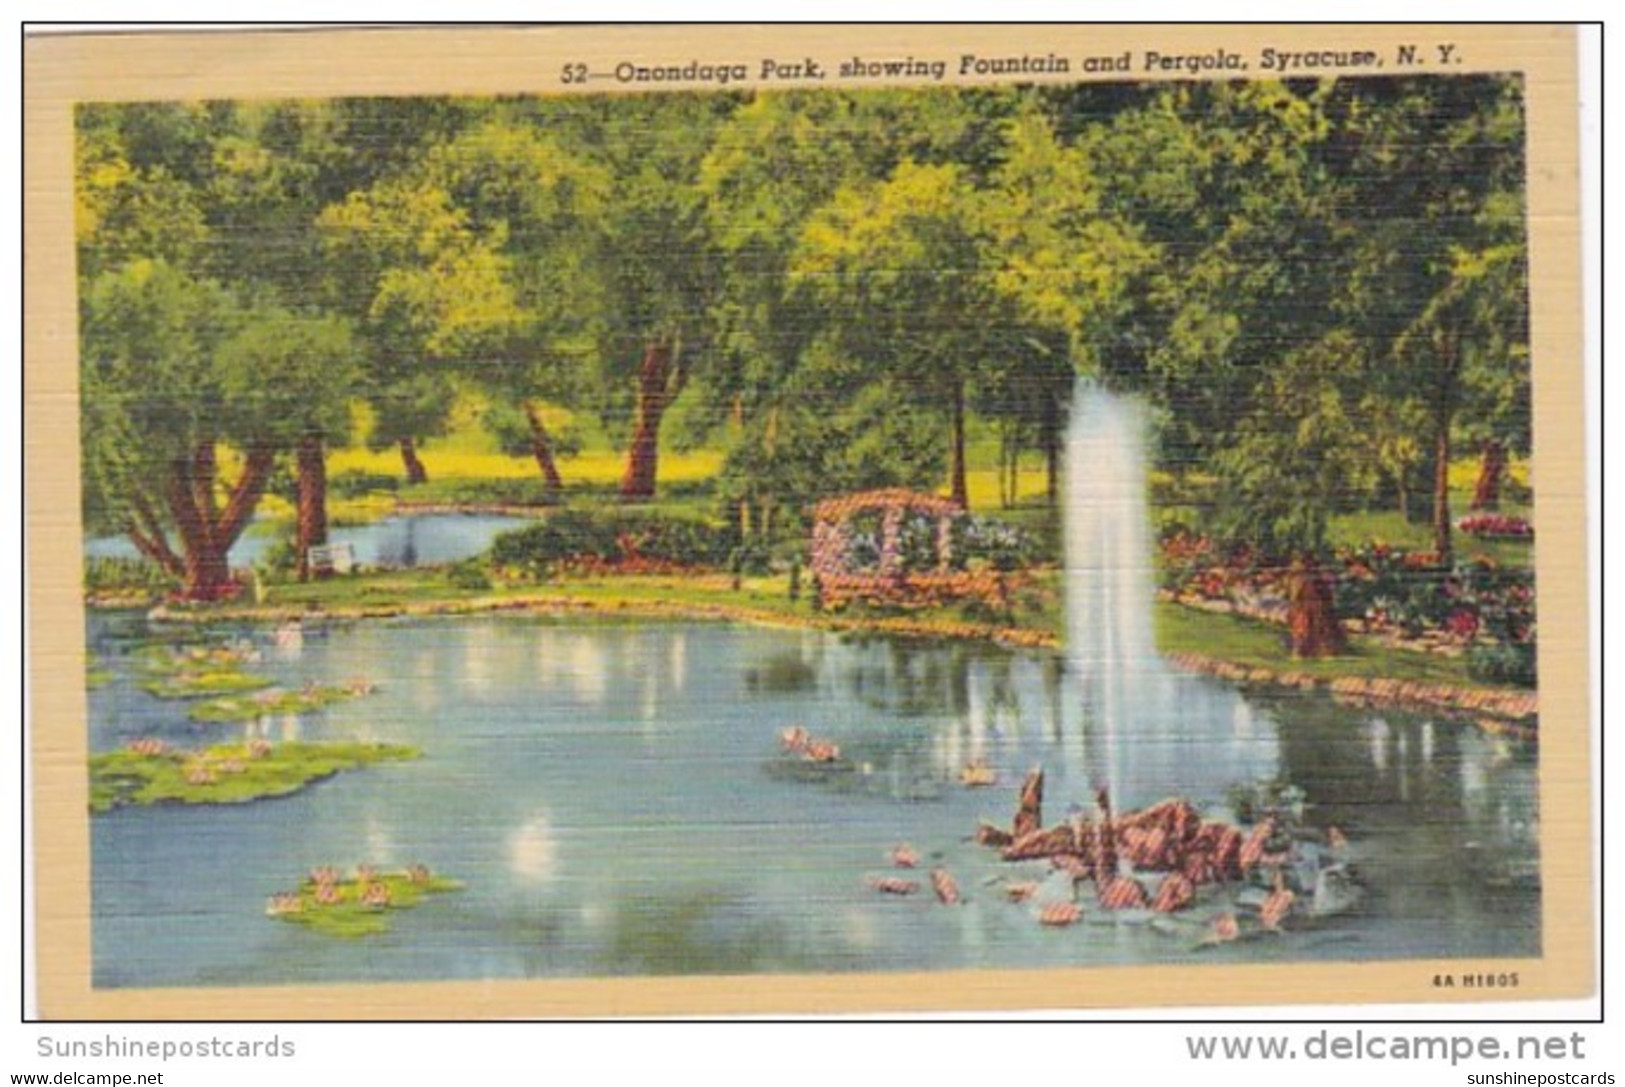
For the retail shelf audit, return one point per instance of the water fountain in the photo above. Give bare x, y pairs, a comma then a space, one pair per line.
1148, 732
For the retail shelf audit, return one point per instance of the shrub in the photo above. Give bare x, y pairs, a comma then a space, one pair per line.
1506, 663
625, 540
123, 575
526, 491
470, 574
357, 482
752, 559
998, 544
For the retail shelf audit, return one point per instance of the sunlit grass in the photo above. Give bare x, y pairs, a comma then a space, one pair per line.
1388, 527
593, 468
982, 487
1261, 645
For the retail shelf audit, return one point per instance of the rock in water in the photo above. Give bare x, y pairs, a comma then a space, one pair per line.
1175, 893
1122, 893
891, 885
1059, 914
1336, 891
1030, 813
1276, 907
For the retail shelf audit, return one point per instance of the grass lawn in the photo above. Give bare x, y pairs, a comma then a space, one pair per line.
1356, 529
1178, 629
1260, 645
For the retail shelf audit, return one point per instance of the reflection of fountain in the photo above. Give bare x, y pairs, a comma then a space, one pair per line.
533, 850
1148, 732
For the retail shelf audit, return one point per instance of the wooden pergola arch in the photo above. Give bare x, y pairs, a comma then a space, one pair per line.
888, 582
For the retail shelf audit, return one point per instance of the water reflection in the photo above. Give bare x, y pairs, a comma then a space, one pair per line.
532, 850
616, 800
408, 540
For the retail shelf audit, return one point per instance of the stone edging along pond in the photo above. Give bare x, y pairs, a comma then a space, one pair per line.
1499, 709
1496, 708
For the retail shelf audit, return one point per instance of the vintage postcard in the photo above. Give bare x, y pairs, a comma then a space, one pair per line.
570, 521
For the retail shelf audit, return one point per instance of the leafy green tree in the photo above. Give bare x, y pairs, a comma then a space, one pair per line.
477, 264
158, 406
898, 269
1238, 330
652, 261
1063, 264
1295, 451
305, 407
1442, 273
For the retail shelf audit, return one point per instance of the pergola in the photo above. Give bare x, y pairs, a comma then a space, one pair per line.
888, 581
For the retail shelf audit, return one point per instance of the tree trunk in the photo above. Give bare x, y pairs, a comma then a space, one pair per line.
207, 535
541, 447
1311, 616
146, 530
415, 471
157, 549
208, 577
312, 500
660, 379
1444, 410
1492, 468
1404, 497
956, 465
1441, 489
1051, 438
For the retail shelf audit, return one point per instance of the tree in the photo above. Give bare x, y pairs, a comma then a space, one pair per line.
1445, 282
156, 412
1239, 330
306, 406
1064, 264
898, 269
772, 164
656, 267
1296, 448
419, 281
477, 264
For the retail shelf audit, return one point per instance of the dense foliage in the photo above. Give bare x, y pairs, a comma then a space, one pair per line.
1319, 284
629, 541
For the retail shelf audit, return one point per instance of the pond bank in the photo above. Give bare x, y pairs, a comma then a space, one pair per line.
555, 604
1499, 709
1495, 708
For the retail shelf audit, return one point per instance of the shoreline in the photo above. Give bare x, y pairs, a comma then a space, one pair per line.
1499, 709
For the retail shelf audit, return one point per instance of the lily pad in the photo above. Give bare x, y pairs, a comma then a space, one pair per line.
204, 684
226, 773
271, 703
345, 911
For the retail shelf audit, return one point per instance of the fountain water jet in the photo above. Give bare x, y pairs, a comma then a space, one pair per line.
1149, 732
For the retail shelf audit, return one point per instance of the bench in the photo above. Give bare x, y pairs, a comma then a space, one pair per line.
329, 559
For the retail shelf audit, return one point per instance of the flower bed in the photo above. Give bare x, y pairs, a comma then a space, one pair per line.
917, 592
1496, 526
1408, 598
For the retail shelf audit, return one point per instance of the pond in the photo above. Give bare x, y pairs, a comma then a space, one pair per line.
407, 540
617, 802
